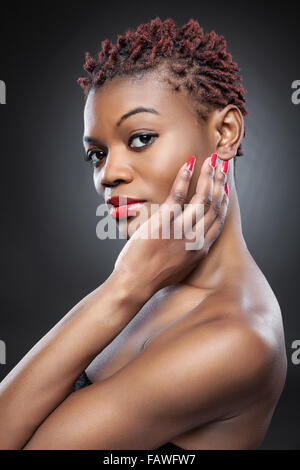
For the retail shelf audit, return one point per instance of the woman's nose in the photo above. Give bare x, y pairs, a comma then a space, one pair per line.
117, 168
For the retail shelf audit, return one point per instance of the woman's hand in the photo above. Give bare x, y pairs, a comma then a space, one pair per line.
153, 263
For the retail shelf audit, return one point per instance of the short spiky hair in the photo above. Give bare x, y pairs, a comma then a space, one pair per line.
196, 62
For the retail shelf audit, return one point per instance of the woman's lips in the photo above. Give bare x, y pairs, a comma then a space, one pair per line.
121, 212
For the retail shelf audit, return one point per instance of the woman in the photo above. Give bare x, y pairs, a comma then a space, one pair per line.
178, 348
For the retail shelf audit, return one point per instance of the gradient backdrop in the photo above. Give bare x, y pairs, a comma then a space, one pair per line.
51, 257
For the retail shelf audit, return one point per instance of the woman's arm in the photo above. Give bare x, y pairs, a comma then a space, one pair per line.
45, 376
192, 374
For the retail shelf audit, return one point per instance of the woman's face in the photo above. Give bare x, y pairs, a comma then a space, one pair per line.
142, 167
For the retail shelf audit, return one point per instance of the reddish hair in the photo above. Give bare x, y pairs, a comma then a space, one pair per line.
196, 62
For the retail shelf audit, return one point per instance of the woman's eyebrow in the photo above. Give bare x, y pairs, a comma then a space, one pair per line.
140, 109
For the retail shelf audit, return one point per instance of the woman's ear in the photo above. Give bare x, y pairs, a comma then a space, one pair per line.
229, 130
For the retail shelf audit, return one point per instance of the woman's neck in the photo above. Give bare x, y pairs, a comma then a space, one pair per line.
227, 252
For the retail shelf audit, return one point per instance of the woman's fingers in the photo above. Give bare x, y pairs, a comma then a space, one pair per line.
208, 205
177, 197
201, 202
211, 198
218, 224
219, 180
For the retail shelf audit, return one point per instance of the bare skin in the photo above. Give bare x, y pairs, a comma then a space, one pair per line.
228, 275
202, 363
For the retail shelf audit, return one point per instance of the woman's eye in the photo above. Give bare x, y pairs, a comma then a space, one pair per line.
93, 158
141, 139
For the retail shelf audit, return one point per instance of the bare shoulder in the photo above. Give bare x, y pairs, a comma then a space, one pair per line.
247, 315
217, 336
236, 334
219, 357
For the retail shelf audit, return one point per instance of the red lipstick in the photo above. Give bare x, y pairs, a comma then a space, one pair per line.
124, 206
122, 200
126, 210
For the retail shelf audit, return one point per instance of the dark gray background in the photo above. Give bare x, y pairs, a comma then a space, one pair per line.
51, 257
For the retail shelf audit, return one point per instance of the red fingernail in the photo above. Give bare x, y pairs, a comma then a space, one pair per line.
213, 159
190, 163
226, 188
224, 168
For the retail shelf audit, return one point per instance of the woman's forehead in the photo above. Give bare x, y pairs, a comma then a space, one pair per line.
121, 95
